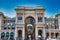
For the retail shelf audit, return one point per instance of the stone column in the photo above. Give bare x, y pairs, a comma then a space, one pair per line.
23, 34
16, 34
49, 34
36, 33
59, 22
59, 34
0, 26
0, 35
54, 35
59, 26
0, 22
44, 35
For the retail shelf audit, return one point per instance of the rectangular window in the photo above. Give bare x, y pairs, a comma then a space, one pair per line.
47, 27
19, 19
39, 19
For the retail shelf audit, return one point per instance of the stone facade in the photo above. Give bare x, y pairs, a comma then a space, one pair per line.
30, 23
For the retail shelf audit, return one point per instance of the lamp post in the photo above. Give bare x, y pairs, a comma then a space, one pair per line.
29, 37
39, 37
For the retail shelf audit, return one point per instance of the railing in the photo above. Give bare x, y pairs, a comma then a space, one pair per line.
18, 38
7, 38
54, 39
53, 29
29, 39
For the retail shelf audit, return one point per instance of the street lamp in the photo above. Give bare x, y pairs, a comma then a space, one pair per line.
29, 37
39, 37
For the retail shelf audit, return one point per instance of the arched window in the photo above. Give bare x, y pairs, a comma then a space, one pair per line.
11, 38
40, 32
7, 34
11, 34
2, 34
30, 20
57, 34
52, 35
19, 33
47, 35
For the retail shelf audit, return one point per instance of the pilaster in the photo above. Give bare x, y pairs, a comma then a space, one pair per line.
36, 33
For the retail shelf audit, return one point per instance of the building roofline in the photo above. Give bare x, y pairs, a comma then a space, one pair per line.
1, 13
58, 13
29, 8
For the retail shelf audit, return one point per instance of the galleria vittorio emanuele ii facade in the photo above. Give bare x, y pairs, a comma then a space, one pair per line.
29, 24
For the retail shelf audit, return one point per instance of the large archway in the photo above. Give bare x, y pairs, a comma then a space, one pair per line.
29, 27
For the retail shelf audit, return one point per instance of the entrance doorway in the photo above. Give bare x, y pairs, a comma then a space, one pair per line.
40, 32
30, 28
19, 34
40, 35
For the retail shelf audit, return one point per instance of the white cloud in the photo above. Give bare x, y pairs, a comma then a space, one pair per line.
8, 13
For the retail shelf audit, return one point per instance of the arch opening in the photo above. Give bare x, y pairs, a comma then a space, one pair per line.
29, 27
19, 34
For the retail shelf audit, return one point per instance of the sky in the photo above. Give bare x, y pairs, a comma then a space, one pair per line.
51, 6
